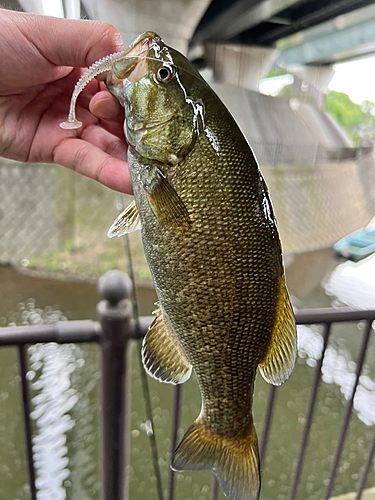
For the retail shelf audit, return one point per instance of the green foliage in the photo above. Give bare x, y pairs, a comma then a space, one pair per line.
94, 260
69, 245
286, 91
356, 119
277, 71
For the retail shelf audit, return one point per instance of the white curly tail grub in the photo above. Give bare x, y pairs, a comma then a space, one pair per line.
101, 66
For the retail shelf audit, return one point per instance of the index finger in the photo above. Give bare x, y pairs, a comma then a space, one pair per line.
69, 42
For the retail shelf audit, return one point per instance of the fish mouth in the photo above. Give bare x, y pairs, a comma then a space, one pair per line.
132, 65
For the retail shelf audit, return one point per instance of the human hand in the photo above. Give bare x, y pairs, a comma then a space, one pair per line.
42, 59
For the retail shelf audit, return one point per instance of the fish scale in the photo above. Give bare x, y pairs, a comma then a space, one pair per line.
211, 242
193, 278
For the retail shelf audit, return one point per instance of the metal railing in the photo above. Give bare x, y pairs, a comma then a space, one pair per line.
113, 333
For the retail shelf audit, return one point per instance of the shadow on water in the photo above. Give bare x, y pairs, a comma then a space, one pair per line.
65, 395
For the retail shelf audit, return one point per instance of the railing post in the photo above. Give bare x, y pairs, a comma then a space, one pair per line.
115, 317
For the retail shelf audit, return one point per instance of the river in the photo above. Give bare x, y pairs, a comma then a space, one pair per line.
64, 382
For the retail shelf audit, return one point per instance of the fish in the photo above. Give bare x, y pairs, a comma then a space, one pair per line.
211, 241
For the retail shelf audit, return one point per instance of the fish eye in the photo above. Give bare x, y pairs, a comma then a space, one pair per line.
164, 74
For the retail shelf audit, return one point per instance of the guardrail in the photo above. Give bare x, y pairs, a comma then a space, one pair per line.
114, 332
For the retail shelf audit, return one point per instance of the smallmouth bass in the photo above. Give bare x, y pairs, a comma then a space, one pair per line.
211, 242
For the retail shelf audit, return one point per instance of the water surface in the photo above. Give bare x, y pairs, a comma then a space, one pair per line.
64, 383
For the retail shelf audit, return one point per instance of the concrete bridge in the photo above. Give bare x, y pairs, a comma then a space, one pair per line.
316, 33
321, 185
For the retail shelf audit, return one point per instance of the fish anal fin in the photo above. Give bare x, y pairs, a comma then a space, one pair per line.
127, 222
278, 362
235, 462
162, 355
167, 205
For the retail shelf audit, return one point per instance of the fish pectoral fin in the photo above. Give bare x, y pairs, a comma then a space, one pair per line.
127, 222
162, 355
166, 203
278, 362
235, 462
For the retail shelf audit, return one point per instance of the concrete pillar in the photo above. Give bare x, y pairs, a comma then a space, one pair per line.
174, 20
318, 76
43, 7
240, 65
72, 9
58, 8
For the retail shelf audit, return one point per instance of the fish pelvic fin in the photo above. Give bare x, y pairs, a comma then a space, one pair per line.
127, 222
278, 362
162, 355
234, 461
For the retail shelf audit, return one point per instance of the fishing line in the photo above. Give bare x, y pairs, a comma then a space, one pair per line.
145, 386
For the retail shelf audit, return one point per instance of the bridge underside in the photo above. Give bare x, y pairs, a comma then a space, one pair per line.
321, 188
313, 32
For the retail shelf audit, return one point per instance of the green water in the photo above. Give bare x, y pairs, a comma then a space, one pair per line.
65, 396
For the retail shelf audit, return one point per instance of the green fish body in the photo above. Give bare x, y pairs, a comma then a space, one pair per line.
212, 245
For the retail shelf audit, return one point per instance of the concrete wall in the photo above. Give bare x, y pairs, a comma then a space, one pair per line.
315, 208
241, 66
48, 208
29, 221
323, 126
316, 201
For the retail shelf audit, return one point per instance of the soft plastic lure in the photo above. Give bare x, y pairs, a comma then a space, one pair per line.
101, 66
114, 62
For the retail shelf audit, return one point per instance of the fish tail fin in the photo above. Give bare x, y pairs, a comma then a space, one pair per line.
235, 461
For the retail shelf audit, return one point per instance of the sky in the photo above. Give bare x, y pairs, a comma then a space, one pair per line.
355, 78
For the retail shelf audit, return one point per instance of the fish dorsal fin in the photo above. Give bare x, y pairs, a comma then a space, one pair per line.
127, 222
234, 461
278, 363
167, 204
162, 355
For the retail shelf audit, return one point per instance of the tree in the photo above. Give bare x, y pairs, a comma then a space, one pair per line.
356, 119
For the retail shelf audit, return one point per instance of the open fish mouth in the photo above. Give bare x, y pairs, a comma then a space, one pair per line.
134, 57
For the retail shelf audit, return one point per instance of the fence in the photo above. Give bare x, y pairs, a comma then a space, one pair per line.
56, 220
115, 331
272, 154
53, 219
